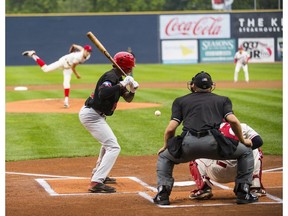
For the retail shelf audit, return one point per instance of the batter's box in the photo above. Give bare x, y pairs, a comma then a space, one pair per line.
79, 186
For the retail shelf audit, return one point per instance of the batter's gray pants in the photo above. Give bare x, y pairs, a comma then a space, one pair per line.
101, 131
204, 147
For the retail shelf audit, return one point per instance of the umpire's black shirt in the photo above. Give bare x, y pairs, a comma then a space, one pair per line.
201, 111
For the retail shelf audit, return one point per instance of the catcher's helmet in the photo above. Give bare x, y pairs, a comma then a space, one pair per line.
125, 60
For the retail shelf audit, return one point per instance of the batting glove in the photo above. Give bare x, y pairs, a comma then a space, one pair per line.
133, 86
127, 81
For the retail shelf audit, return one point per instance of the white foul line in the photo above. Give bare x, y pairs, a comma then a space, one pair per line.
146, 196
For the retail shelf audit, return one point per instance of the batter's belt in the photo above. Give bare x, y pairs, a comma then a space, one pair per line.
97, 111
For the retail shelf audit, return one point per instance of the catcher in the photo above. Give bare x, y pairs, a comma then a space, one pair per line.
224, 171
68, 63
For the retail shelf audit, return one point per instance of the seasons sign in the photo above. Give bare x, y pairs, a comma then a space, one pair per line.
195, 26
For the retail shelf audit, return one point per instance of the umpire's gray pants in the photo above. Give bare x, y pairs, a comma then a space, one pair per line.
204, 147
101, 131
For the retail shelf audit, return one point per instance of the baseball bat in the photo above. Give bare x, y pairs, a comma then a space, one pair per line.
102, 49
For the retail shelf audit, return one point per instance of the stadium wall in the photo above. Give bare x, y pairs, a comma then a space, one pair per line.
154, 38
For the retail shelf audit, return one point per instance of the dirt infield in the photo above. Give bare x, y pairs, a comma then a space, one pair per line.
59, 186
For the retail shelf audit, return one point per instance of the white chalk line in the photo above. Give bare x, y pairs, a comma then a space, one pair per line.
51, 192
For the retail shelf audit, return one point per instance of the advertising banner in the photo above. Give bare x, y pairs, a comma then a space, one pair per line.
264, 24
259, 49
179, 51
194, 26
221, 50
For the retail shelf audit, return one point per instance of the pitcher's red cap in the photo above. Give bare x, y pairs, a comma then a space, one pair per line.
88, 48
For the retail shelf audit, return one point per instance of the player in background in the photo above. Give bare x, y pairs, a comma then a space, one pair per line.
68, 63
225, 171
241, 59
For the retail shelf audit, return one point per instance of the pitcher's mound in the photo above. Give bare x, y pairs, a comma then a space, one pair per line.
51, 105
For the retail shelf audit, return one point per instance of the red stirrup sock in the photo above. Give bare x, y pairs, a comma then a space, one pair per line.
66, 92
40, 62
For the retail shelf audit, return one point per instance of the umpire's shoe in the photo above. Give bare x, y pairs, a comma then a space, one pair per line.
162, 197
97, 187
243, 194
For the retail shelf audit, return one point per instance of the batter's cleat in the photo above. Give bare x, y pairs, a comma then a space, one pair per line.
109, 180
96, 187
28, 53
258, 191
243, 198
201, 194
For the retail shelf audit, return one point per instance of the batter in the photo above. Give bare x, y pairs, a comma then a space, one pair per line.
101, 103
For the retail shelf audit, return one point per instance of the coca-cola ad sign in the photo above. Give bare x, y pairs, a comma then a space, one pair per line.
195, 26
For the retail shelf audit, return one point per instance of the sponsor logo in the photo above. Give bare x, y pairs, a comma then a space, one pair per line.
219, 44
257, 50
260, 25
203, 26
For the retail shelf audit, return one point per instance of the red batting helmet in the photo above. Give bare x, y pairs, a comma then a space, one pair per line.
125, 60
88, 48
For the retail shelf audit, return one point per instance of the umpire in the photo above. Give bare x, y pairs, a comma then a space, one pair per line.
201, 113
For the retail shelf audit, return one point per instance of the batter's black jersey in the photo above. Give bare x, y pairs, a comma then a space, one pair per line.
201, 111
106, 93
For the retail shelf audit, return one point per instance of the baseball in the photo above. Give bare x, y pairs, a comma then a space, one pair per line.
157, 113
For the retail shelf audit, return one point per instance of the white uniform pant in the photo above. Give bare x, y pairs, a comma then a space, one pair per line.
101, 131
245, 70
60, 64
225, 171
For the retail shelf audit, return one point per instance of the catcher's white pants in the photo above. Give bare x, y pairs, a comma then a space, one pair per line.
101, 131
225, 171
245, 70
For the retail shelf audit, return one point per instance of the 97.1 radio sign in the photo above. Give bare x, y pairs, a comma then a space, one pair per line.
259, 49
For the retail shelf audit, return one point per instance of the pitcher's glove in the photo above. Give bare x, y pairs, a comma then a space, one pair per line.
73, 49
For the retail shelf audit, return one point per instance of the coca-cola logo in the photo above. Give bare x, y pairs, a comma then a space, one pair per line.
207, 25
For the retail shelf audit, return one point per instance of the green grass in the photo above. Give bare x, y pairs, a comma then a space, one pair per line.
139, 132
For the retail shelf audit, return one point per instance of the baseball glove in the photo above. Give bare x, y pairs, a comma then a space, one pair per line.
73, 49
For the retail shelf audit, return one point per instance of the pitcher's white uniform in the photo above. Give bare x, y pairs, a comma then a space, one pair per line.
241, 59
67, 63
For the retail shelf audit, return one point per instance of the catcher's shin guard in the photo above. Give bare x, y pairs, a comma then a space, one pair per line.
201, 181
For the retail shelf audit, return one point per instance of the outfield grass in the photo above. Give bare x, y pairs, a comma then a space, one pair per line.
139, 132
